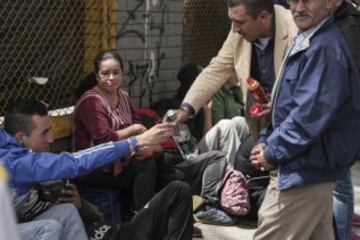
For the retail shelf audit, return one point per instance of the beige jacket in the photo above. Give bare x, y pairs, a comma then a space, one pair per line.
236, 53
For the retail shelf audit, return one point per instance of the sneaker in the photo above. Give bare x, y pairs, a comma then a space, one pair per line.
211, 215
356, 220
198, 202
197, 232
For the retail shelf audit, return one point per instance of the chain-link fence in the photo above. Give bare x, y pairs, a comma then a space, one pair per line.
205, 28
55, 41
50, 41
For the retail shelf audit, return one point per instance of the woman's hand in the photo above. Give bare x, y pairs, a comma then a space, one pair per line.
156, 134
137, 129
131, 130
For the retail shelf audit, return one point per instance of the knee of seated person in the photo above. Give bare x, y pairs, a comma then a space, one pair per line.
150, 165
181, 186
225, 123
51, 225
239, 121
213, 155
68, 208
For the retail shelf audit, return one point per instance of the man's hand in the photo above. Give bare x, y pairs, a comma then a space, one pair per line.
182, 115
265, 109
208, 107
70, 195
257, 158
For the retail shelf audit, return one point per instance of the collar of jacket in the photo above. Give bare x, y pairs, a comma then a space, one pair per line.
305, 44
309, 34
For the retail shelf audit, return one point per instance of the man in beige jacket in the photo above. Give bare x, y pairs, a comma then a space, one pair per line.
260, 36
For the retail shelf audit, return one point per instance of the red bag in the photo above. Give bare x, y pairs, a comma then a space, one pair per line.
234, 194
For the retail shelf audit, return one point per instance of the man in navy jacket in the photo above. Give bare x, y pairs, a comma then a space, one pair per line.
315, 116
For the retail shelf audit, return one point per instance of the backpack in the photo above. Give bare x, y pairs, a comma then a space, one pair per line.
234, 194
256, 180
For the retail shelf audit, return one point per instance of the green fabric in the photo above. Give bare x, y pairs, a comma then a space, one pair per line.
227, 103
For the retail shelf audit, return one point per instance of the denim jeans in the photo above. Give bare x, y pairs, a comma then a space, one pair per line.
67, 215
343, 207
40, 230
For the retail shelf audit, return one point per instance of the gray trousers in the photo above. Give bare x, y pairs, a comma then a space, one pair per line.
226, 136
203, 173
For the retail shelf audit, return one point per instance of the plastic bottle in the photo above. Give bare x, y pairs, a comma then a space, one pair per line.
258, 93
183, 138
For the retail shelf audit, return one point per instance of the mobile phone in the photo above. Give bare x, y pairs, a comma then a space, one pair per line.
51, 191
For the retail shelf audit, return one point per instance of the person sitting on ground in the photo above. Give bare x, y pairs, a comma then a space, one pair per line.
27, 127
227, 103
186, 76
105, 113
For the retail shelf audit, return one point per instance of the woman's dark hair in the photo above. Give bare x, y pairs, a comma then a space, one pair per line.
90, 81
105, 55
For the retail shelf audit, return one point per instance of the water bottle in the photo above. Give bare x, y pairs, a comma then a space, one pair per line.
184, 140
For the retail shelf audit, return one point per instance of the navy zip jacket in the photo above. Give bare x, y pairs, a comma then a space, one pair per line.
315, 112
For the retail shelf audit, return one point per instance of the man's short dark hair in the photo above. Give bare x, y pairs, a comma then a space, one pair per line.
18, 115
253, 7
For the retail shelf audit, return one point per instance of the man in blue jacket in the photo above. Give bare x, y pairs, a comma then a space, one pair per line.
23, 154
315, 116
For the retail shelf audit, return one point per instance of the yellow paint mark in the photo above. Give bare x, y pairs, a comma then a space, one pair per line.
61, 126
3, 174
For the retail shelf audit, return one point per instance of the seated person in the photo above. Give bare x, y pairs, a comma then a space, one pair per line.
105, 113
224, 127
186, 76
227, 103
27, 129
202, 173
225, 136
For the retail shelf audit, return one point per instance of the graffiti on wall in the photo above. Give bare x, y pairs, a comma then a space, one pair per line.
146, 73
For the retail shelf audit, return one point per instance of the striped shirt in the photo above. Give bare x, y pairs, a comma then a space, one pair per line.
96, 122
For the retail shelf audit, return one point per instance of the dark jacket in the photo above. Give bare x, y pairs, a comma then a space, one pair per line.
316, 112
347, 18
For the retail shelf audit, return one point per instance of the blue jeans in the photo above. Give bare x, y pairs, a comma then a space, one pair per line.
67, 215
343, 207
40, 230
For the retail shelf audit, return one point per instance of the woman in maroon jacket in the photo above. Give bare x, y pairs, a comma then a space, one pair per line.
105, 113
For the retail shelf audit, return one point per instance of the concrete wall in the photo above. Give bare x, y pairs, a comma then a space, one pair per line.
149, 38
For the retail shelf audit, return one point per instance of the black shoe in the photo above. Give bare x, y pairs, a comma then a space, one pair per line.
197, 232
